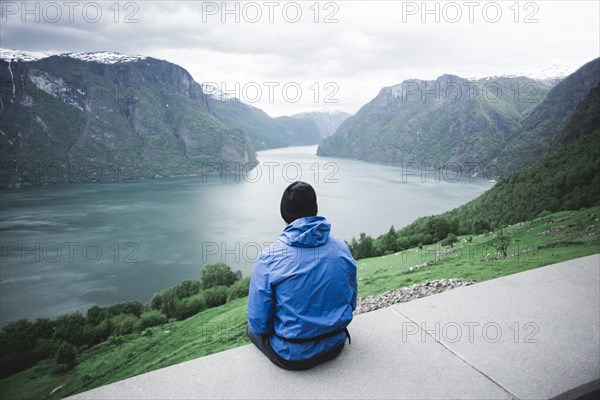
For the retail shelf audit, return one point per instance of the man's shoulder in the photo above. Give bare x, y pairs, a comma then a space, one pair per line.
276, 247
337, 243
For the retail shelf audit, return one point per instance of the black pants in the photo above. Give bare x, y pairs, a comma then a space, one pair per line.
263, 345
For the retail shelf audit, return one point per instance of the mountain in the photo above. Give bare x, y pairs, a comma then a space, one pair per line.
327, 121
567, 177
451, 121
105, 116
266, 133
545, 122
263, 131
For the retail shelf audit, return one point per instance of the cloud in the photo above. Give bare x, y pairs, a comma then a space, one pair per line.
368, 45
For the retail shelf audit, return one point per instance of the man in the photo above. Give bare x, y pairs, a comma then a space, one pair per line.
303, 288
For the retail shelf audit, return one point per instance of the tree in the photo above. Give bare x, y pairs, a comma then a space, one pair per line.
502, 242
124, 324
156, 301
187, 288
218, 274
438, 227
152, 318
215, 296
95, 315
167, 302
364, 247
389, 241
189, 306
126, 307
450, 240
480, 226
43, 328
18, 336
69, 327
239, 289
66, 355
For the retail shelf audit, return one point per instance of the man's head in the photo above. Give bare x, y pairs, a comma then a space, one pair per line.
299, 200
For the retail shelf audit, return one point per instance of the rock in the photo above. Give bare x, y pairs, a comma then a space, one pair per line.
402, 295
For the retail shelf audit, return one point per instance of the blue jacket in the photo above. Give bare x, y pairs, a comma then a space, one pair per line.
303, 286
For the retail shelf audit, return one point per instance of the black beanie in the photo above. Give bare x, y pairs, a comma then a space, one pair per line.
298, 200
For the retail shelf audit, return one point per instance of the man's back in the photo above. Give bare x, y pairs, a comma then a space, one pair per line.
311, 279
303, 287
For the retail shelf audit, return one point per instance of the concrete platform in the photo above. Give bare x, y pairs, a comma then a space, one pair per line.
531, 335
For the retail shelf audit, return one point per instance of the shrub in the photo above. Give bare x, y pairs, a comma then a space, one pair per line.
69, 328
191, 306
502, 242
238, 289
66, 355
187, 288
450, 240
151, 318
124, 324
218, 274
126, 307
215, 296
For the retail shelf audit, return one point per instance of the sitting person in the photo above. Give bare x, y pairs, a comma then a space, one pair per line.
303, 288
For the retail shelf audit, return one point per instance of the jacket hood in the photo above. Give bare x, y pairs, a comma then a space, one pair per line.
306, 232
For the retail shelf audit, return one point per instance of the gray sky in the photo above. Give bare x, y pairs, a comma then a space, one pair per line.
288, 57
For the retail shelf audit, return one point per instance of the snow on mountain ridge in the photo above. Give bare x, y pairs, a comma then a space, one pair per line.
104, 57
22, 55
554, 72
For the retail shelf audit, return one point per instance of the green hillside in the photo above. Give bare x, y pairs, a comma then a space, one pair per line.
545, 240
566, 178
544, 124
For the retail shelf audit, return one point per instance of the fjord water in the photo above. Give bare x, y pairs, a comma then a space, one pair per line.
67, 247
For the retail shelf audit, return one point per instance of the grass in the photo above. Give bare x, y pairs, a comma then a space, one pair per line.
545, 240
577, 236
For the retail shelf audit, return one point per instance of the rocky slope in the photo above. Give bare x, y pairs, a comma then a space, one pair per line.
83, 117
105, 116
450, 121
566, 177
507, 122
544, 124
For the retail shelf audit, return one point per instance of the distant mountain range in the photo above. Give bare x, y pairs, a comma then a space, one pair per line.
566, 177
81, 117
507, 122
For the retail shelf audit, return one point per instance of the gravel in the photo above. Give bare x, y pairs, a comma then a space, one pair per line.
402, 295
